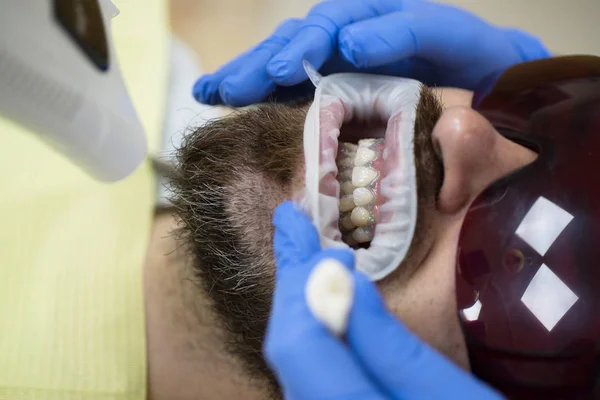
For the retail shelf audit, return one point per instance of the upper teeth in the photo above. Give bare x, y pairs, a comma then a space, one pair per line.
357, 191
345, 174
360, 216
363, 156
362, 196
347, 146
346, 162
362, 176
347, 187
367, 142
347, 203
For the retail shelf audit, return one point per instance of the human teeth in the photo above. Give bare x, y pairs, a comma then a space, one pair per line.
362, 196
345, 174
355, 177
347, 203
361, 235
360, 216
347, 187
347, 223
350, 147
362, 176
367, 142
363, 156
346, 162
349, 240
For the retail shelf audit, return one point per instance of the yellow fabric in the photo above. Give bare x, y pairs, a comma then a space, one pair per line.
72, 249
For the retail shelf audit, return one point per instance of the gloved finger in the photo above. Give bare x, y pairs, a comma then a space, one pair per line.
286, 67
437, 32
530, 47
421, 29
417, 69
249, 84
310, 362
297, 248
252, 83
206, 89
295, 240
291, 279
402, 364
379, 41
300, 92
243, 80
316, 40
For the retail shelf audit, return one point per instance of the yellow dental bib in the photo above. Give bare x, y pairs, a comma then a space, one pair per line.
72, 249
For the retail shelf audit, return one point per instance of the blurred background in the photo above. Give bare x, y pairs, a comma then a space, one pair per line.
220, 29
80, 332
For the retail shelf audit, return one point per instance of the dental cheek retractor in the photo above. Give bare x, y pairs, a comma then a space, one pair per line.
360, 182
360, 167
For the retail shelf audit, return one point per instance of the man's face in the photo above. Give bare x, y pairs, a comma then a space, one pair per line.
235, 171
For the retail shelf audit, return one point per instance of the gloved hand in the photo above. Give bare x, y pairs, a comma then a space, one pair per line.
434, 43
380, 359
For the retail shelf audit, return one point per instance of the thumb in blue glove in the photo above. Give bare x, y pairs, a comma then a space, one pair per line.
380, 359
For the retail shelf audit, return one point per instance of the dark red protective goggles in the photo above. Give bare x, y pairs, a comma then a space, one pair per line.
528, 274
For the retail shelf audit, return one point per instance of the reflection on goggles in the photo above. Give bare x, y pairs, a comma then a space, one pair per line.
528, 274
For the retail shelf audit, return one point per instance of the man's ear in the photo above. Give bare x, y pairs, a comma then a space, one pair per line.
474, 156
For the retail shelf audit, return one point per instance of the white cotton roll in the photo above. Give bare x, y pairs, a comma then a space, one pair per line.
329, 293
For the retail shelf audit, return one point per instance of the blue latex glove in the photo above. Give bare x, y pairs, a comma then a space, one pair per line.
380, 359
435, 43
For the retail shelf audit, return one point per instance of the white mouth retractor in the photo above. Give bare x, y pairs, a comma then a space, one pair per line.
342, 98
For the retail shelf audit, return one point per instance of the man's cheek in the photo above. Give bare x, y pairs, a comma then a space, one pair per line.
426, 303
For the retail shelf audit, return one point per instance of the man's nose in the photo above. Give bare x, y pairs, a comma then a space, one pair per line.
474, 156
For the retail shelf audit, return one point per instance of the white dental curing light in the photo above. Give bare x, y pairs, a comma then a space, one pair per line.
59, 77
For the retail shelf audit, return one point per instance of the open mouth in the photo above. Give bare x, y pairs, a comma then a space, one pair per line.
358, 142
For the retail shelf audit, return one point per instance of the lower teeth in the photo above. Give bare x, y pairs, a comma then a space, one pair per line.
362, 196
358, 180
360, 216
362, 235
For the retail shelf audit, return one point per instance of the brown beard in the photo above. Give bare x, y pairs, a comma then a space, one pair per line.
231, 175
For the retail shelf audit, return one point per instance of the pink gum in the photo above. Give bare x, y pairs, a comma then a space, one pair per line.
331, 118
378, 165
